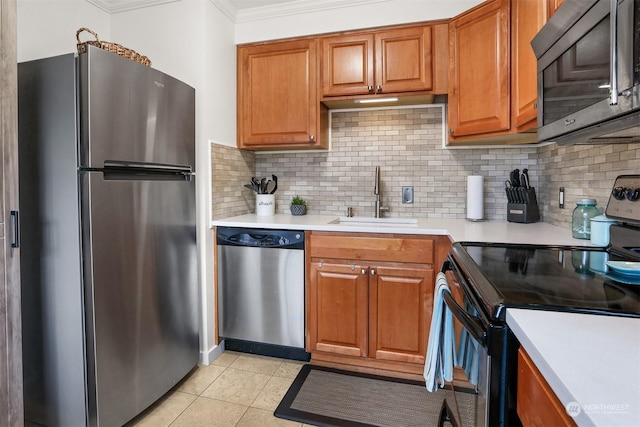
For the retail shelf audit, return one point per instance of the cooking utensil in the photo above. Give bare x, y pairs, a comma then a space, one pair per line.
274, 180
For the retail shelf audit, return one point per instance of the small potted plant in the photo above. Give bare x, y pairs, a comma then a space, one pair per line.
298, 206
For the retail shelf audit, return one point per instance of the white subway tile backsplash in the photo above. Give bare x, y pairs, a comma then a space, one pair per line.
407, 144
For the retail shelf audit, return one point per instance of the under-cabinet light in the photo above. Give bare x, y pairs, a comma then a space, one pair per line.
373, 100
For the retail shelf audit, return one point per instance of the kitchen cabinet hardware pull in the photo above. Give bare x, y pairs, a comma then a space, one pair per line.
363, 271
379, 88
373, 272
370, 88
320, 264
353, 267
15, 229
312, 137
451, 131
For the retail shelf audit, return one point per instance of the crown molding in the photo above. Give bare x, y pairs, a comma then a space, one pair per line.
116, 6
227, 8
244, 15
295, 8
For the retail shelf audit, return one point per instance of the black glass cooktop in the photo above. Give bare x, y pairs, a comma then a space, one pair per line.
552, 278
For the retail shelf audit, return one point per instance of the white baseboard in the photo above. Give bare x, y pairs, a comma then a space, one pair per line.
206, 357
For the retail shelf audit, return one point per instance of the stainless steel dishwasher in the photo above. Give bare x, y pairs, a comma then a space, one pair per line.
261, 291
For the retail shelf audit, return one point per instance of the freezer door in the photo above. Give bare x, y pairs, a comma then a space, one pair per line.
140, 277
130, 112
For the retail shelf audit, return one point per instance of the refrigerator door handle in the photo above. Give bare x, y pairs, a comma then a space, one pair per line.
122, 170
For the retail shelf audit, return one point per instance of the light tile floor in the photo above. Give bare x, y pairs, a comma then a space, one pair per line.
238, 389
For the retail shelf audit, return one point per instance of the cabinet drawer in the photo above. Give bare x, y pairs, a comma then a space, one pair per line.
385, 249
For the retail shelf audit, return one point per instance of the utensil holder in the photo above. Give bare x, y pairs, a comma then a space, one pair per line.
265, 204
523, 205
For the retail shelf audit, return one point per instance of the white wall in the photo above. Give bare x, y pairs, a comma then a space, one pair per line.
381, 13
48, 27
191, 40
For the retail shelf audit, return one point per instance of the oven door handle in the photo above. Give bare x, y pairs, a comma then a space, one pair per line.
472, 324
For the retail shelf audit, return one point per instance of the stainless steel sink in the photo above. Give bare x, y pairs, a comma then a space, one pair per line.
363, 221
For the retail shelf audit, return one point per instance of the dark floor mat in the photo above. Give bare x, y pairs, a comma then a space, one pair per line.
330, 397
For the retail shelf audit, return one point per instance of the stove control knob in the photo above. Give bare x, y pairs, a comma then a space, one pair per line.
633, 194
619, 193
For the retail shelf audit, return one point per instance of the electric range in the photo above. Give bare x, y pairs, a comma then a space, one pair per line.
489, 278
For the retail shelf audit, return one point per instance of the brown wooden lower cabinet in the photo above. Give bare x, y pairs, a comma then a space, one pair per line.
338, 299
537, 405
368, 309
400, 305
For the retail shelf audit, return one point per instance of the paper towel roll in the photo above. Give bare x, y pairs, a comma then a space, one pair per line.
475, 197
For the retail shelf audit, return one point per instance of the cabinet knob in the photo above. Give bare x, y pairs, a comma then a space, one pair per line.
370, 88
379, 87
373, 272
363, 271
451, 131
312, 138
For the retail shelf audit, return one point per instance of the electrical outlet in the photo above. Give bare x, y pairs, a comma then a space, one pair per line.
407, 194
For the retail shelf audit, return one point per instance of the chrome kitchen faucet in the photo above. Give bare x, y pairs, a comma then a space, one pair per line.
376, 191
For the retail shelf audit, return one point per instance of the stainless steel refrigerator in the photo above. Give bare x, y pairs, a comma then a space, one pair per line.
108, 241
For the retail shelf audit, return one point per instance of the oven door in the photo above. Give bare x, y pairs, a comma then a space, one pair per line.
471, 339
484, 350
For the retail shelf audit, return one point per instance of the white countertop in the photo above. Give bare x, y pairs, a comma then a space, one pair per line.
460, 230
589, 360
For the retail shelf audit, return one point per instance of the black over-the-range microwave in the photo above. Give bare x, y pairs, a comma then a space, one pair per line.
589, 73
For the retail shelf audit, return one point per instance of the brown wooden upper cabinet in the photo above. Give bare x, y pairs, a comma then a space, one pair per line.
278, 105
378, 62
492, 76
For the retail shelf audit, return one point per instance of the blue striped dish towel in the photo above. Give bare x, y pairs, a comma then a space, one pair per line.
441, 349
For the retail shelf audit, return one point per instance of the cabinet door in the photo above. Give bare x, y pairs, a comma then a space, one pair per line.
400, 304
537, 405
277, 95
347, 65
527, 17
404, 60
479, 101
337, 309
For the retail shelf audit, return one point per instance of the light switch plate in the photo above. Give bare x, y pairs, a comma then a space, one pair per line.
407, 194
